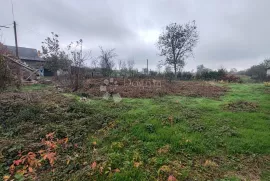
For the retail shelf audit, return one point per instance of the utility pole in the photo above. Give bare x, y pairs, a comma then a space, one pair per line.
16, 41
147, 67
17, 54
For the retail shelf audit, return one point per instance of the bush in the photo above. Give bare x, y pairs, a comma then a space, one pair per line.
169, 76
245, 79
212, 74
266, 84
231, 78
185, 75
6, 77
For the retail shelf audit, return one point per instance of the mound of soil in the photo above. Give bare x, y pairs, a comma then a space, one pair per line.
147, 88
239, 106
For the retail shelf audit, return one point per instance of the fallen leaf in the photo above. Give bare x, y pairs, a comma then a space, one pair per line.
94, 165
100, 169
19, 154
11, 169
51, 157
17, 162
209, 163
31, 155
171, 178
165, 169
137, 164
164, 149
116, 170
50, 135
65, 140
41, 151
6, 177
30, 169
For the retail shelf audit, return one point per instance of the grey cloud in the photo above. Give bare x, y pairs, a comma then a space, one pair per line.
232, 33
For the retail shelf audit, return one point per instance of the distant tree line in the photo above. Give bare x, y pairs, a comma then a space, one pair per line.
176, 44
257, 72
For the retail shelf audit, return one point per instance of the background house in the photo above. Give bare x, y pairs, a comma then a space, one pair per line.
31, 57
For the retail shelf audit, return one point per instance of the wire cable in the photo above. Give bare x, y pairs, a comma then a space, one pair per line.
12, 9
32, 30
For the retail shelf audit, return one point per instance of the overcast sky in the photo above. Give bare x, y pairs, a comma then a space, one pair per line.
233, 33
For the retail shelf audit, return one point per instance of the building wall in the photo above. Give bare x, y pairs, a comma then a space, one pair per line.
34, 63
268, 72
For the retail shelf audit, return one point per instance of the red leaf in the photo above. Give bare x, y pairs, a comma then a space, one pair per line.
31, 155
30, 169
51, 157
17, 162
171, 178
94, 165
50, 135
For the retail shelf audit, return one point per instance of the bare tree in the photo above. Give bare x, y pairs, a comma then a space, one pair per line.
168, 69
94, 62
130, 64
177, 42
107, 61
120, 62
233, 71
78, 58
159, 66
266, 62
124, 66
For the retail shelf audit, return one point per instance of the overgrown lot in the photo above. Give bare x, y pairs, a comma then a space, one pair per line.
162, 138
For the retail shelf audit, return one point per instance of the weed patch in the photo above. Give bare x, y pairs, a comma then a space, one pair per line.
239, 106
165, 138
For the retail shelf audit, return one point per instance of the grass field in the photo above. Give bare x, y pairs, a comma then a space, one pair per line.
163, 138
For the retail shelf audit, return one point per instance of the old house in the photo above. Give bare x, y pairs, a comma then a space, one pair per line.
268, 71
31, 57
28, 55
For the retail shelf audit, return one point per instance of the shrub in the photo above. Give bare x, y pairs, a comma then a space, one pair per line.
231, 78
266, 84
185, 75
169, 76
239, 106
6, 76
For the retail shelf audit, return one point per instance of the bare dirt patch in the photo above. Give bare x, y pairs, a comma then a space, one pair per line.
147, 88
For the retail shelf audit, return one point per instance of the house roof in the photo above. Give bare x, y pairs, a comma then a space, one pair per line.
26, 53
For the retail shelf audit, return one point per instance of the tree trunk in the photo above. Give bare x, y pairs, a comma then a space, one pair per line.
175, 75
76, 85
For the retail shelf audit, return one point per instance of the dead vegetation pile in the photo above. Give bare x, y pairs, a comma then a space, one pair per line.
147, 88
239, 106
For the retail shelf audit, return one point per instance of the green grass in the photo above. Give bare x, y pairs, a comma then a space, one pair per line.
202, 128
28, 88
34, 87
173, 132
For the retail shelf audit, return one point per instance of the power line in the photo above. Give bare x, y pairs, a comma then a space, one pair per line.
12, 9
6, 26
32, 30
